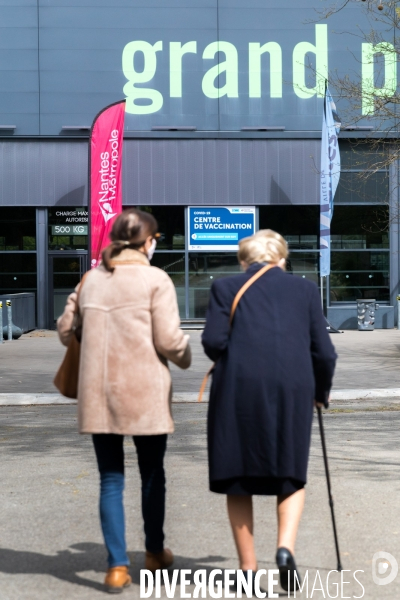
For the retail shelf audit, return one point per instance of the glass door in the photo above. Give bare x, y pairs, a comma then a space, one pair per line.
204, 268
65, 272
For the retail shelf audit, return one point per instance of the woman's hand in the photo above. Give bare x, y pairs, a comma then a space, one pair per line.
321, 404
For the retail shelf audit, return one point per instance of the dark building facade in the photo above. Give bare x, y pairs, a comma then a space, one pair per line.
223, 109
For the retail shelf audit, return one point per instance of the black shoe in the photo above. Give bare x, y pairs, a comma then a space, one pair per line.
253, 576
287, 569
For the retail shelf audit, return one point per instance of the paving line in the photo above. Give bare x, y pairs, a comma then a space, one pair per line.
33, 399
48, 398
365, 394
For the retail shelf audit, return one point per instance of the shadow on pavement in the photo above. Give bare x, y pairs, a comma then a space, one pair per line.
83, 557
65, 565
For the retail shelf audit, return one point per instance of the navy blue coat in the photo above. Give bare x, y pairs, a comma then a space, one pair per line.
271, 365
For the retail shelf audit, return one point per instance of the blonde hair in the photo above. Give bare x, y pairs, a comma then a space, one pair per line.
264, 246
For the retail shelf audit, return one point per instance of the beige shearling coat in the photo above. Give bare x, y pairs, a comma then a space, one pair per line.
130, 330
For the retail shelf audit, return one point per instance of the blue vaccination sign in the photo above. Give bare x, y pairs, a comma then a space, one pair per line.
220, 228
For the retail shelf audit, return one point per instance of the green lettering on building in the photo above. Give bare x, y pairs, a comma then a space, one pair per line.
321, 61
132, 92
275, 69
222, 79
369, 91
229, 66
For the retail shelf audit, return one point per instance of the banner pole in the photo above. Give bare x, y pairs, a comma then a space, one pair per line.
322, 293
328, 293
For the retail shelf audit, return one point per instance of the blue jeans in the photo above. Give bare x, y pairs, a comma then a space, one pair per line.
110, 459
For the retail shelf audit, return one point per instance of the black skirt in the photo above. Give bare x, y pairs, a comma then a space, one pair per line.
256, 486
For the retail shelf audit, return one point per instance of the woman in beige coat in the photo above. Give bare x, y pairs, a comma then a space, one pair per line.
130, 329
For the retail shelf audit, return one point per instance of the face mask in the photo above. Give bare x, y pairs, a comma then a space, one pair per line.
151, 250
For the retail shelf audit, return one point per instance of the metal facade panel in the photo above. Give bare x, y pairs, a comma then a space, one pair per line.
169, 172
201, 172
65, 184
137, 4
27, 179
18, 15
94, 17
81, 60
145, 170
19, 73
43, 173
209, 166
194, 165
19, 3
286, 24
221, 179
70, 53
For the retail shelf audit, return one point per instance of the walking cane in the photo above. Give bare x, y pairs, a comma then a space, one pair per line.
328, 482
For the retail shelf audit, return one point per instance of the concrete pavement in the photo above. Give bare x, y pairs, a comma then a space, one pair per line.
50, 541
367, 360
51, 546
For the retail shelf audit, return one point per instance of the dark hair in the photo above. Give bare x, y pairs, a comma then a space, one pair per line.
130, 230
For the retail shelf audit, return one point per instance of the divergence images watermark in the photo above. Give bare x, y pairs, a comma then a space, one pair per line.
381, 561
236, 584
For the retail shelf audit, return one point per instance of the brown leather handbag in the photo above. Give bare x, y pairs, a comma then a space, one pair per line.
67, 377
235, 302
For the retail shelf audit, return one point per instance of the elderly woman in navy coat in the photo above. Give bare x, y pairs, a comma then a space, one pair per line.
272, 365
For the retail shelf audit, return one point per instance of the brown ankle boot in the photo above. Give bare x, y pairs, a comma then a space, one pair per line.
117, 579
159, 560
